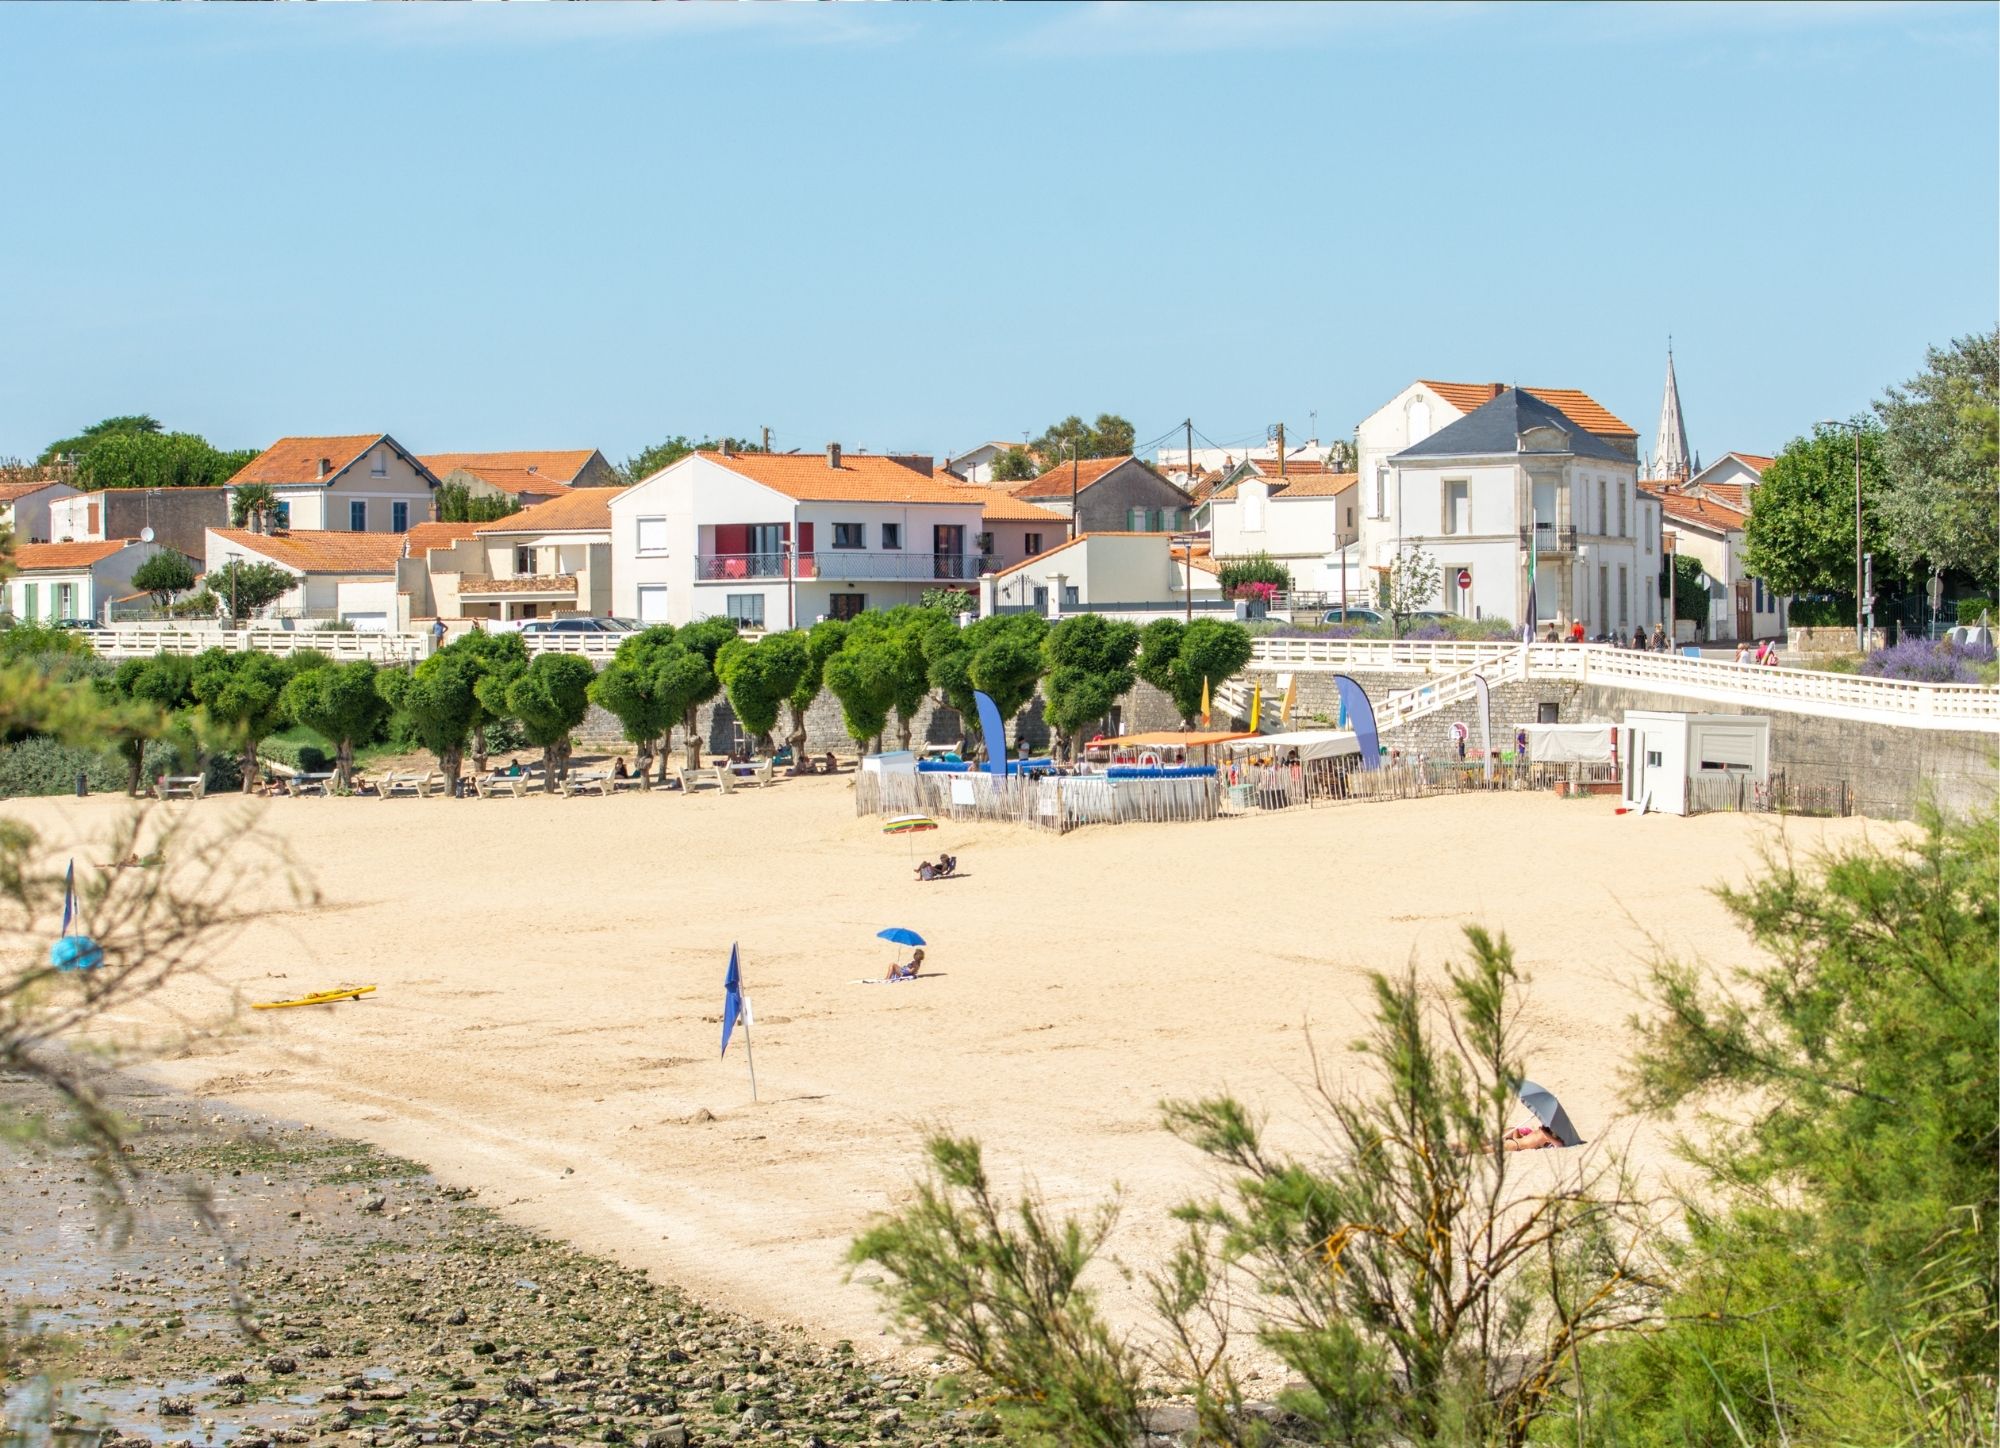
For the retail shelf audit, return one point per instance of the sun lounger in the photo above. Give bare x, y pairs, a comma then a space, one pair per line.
312, 783
180, 786
693, 779
764, 773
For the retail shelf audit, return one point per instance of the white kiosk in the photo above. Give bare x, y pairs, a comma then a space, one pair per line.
1685, 763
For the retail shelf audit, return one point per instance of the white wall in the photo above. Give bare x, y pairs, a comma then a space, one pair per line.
92, 589
48, 516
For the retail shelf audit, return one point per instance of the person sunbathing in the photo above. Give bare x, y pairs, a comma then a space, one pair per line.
909, 971
928, 871
1530, 1138
947, 865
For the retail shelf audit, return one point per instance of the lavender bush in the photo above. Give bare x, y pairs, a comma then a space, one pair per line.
1920, 661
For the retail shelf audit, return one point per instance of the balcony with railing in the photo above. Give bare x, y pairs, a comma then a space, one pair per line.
841, 564
524, 585
1549, 538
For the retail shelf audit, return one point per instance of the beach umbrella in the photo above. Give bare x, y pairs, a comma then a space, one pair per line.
1548, 1110
909, 824
900, 935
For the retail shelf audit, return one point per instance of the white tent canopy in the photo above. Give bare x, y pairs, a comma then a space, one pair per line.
1569, 743
1310, 743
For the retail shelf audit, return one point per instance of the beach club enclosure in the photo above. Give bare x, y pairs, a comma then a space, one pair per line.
775, 541
1686, 763
53, 581
346, 576
361, 483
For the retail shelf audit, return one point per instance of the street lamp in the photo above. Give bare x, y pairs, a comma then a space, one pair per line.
1860, 629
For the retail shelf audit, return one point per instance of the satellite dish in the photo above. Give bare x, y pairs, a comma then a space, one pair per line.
145, 535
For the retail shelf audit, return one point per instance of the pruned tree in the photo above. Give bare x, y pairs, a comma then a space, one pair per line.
242, 698
702, 641
999, 656
1089, 660
760, 677
439, 699
550, 698
159, 689
860, 676
823, 641
242, 589
1187, 661
164, 575
342, 702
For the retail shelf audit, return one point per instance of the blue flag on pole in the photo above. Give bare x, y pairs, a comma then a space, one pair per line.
732, 1000
69, 896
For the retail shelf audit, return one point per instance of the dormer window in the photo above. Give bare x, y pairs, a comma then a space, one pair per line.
380, 467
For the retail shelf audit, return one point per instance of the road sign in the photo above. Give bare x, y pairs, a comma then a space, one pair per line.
1465, 578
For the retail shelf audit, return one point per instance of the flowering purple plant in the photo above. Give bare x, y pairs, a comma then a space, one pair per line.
1919, 661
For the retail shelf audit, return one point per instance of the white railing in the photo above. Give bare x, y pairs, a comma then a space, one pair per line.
1741, 686
337, 644
599, 646
1410, 705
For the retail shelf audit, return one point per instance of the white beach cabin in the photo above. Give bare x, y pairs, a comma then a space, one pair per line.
1687, 763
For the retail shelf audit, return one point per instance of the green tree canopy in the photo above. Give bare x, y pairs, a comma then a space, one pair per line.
242, 698
1015, 465
156, 460
656, 680
456, 503
1188, 660
1941, 462
760, 677
243, 589
165, 574
159, 689
999, 656
1800, 537
823, 641
550, 698
341, 702
136, 423
1690, 587
439, 699
895, 639
1110, 436
1089, 660
668, 451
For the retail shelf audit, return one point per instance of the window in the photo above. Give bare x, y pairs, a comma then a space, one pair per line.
1381, 493
892, 536
281, 515
28, 602
1757, 585
357, 516
1069, 595
1623, 531
983, 544
379, 468
849, 535
1603, 594
846, 605
1348, 516
65, 601
1458, 507
746, 610
1548, 712
1041, 599
1624, 595
524, 562
652, 603
399, 517
1031, 543
1135, 520
1601, 514
652, 535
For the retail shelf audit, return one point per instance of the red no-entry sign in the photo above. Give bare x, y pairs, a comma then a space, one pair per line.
1465, 578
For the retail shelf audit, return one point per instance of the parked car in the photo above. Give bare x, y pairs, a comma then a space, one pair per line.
87, 625
535, 626
1353, 615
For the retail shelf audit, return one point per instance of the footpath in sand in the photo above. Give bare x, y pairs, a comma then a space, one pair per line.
549, 979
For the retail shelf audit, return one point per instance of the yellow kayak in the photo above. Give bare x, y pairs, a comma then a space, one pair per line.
321, 998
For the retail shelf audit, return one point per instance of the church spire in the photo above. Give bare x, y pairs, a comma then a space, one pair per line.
1670, 451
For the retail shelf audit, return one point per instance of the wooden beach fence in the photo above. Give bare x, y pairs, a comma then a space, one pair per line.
1058, 803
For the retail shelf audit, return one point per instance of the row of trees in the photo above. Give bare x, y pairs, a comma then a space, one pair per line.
1930, 470
135, 451
1111, 436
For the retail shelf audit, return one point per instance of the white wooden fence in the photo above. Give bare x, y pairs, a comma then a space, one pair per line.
1058, 803
143, 642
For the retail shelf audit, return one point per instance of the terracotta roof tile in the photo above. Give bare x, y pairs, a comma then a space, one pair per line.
12, 492
309, 550
422, 538
31, 557
1046, 553
516, 472
1294, 467
860, 478
1002, 507
1311, 485
578, 510
1679, 507
1056, 482
292, 460
1580, 407
1730, 495
1756, 462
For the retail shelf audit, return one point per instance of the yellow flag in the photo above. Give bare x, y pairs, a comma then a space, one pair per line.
1204, 701
1291, 699
1256, 707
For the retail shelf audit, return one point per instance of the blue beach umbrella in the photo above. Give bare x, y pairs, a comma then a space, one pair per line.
72, 950
898, 935
1548, 1110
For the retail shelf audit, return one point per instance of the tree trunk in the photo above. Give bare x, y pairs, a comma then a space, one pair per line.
642, 760
691, 749
663, 753
550, 754
904, 725
448, 766
250, 767
343, 764
135, 755
478, 751
797, 738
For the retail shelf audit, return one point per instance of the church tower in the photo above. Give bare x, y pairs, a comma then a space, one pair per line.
1670, 449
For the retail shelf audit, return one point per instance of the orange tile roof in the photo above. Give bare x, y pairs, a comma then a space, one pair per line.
1001, 507
293, 460
1698, 512
860, 478
1294, 467
1730, 495
1311, 485
1756, 462
1579, 407
33, 557
1055, 483
313, 550
514, 472
13, 492
422, 538
1172, 551
576, 510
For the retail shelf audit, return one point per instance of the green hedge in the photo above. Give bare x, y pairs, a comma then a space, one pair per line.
299, 748
1969, 609
1821, 612
41, 766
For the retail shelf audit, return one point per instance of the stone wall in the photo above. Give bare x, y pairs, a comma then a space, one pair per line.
1515, 703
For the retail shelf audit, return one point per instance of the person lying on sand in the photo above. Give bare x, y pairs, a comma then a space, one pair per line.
1530, 1138
909, 971
927, 871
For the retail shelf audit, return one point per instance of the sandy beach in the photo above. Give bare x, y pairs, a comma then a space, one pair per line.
549, 978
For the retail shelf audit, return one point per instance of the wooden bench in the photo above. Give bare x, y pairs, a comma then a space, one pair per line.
180, 786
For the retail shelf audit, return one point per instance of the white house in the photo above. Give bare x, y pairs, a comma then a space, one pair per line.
1472, 494
526, 477
780, 540
1730, 479
25, 497
1305, 518
975, 465
55, 581
544, 561
366, 483
1098, 572
345, 576
1740, 606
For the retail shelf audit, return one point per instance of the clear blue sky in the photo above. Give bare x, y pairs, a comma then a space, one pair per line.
918, 227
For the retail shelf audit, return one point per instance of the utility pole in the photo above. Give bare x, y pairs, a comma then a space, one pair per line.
1860, 628
1075, 452
1281, 449
1189, 425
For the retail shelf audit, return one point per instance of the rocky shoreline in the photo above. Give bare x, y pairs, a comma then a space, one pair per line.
336, 1294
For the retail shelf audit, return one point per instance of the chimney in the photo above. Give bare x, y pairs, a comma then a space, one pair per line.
725, 447
325, 467
833, 454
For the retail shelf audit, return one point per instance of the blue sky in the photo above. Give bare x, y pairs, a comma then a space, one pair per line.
918, 227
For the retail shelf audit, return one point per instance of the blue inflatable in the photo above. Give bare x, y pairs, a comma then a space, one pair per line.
76, 952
